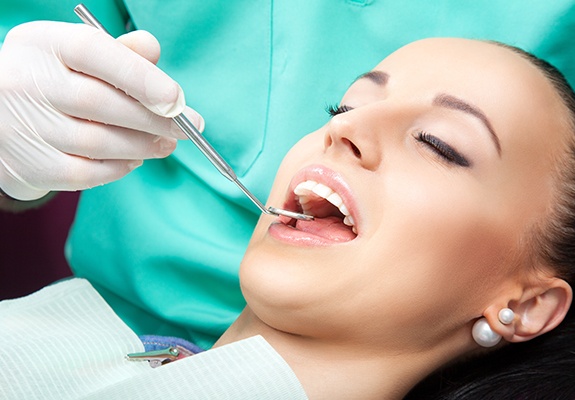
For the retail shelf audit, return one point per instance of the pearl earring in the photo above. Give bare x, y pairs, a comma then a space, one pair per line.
506, 316
483, 334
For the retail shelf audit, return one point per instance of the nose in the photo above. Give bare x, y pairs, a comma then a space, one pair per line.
349, 136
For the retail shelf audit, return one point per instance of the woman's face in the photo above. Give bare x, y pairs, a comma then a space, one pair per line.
444, 156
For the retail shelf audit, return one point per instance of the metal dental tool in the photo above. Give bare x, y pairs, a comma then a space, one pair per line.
195, 136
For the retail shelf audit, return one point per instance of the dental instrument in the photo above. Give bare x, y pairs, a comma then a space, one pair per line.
196, 137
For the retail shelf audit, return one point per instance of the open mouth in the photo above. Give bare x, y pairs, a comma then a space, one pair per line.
332, 218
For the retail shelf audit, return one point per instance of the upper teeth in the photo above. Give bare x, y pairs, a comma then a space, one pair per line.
303, 192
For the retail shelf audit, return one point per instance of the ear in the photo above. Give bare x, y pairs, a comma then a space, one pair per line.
540, 309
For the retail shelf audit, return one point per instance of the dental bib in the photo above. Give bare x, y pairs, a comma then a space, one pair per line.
65, 342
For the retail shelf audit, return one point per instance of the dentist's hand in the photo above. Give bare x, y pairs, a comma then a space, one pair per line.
79, 109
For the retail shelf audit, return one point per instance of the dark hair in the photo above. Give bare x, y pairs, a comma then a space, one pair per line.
542, 368
554, 242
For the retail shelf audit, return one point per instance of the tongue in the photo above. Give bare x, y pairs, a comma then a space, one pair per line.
331, 228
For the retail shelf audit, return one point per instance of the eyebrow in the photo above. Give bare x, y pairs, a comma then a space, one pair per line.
452, 102
378, 77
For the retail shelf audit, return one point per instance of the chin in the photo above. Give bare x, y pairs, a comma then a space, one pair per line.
277, 290
266, 277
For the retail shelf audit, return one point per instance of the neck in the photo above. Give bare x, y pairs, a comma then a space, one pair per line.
339, 370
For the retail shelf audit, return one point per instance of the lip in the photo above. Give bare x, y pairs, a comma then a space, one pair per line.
322, 174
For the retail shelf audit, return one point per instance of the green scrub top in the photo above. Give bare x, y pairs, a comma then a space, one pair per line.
163, 245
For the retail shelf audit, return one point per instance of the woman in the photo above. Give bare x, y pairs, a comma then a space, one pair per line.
457, 186
441, 192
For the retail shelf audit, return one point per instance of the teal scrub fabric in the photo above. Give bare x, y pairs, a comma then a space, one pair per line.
163, 245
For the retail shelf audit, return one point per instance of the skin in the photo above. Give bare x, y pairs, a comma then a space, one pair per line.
439, 244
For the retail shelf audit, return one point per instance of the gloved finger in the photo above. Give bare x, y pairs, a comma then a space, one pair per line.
79, 173
143, 43
97, 54
147, 46
68, 173
91, 99
99, 141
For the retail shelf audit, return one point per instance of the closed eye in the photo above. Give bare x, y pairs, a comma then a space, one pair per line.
442, 149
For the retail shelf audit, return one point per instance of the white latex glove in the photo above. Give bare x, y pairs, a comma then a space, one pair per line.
75, 107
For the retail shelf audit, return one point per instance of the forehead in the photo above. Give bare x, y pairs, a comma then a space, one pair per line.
479, 70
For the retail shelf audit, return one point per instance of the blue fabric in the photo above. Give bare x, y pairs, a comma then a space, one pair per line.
153, 343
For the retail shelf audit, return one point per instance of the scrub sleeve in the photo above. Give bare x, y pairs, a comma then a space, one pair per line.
163, 245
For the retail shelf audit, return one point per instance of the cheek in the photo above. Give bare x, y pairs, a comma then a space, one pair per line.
431, 268
442, 243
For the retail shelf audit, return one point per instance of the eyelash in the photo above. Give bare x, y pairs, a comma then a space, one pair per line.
336, 110
441, 148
